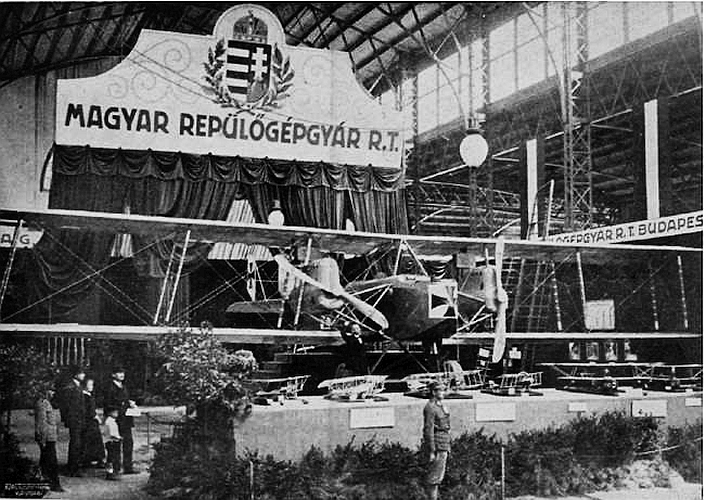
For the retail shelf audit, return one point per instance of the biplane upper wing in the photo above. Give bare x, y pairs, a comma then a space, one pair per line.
332, 240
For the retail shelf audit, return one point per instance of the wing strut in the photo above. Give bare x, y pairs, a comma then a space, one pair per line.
682, 290
164, 286
301, 290
11, 258
501, 302
177, 277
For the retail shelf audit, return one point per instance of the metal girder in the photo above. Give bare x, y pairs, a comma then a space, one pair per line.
379, 27
578, 193
313, 8
346, 25
56, 36
483, 211
78, 33
424, 21
448, 194
33, 44
32, 30
298, 12
664, 69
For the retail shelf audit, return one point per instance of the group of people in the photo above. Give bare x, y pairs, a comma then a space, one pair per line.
89, 445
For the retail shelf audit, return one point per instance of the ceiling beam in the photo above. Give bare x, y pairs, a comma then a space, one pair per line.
379, 27
351, 25
33, 44
30, 28
53, 43
296, 14
348, 24
328, 11
423, 22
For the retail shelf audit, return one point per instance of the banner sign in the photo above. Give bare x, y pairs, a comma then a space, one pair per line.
239, 92
599, 314
672, 225
26, 239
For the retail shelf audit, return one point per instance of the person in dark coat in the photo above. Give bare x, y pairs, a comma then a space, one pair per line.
437, 439
45, 434
116, 396
93, 450
73, 414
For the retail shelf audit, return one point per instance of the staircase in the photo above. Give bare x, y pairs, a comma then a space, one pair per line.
278, 368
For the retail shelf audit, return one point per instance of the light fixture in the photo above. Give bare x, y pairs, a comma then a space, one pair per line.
473, 148
276, 217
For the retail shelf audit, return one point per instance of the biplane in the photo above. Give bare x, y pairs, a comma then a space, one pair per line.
402, 307
453, 376
515, 384
602, 378
676, 378
358, 388
276, 389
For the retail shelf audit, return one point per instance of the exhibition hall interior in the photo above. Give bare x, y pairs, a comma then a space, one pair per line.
292, 223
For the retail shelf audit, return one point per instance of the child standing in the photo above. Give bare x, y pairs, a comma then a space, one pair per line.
112, 438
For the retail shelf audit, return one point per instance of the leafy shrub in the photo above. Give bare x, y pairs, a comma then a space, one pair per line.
539, 460
612, 438
688, 458
474, 467
576, 458
14, 466
199, 372
25, 375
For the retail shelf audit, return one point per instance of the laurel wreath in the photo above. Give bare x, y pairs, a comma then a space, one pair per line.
281, 77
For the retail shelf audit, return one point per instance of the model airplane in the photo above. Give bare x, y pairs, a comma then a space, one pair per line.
515, 384
357, 388
601, 378
454, 377
676, 378
276, 389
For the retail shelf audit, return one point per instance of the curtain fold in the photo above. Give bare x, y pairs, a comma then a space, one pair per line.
83, 160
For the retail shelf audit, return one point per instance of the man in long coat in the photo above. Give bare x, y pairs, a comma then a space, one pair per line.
74, 417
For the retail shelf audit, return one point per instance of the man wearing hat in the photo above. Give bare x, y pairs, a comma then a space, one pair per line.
437, 441
73, 415
116, 396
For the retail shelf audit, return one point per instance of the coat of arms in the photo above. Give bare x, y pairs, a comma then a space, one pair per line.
246, 72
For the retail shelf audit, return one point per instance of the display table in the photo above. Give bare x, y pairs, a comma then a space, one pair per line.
288, 431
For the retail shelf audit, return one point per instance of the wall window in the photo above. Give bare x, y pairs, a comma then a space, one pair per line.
645, 18
527, 49
530, 63
683, 10
605, 28
502, 39
502, 76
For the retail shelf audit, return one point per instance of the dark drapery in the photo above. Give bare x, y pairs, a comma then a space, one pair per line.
194, 186
311, 193
83, 160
